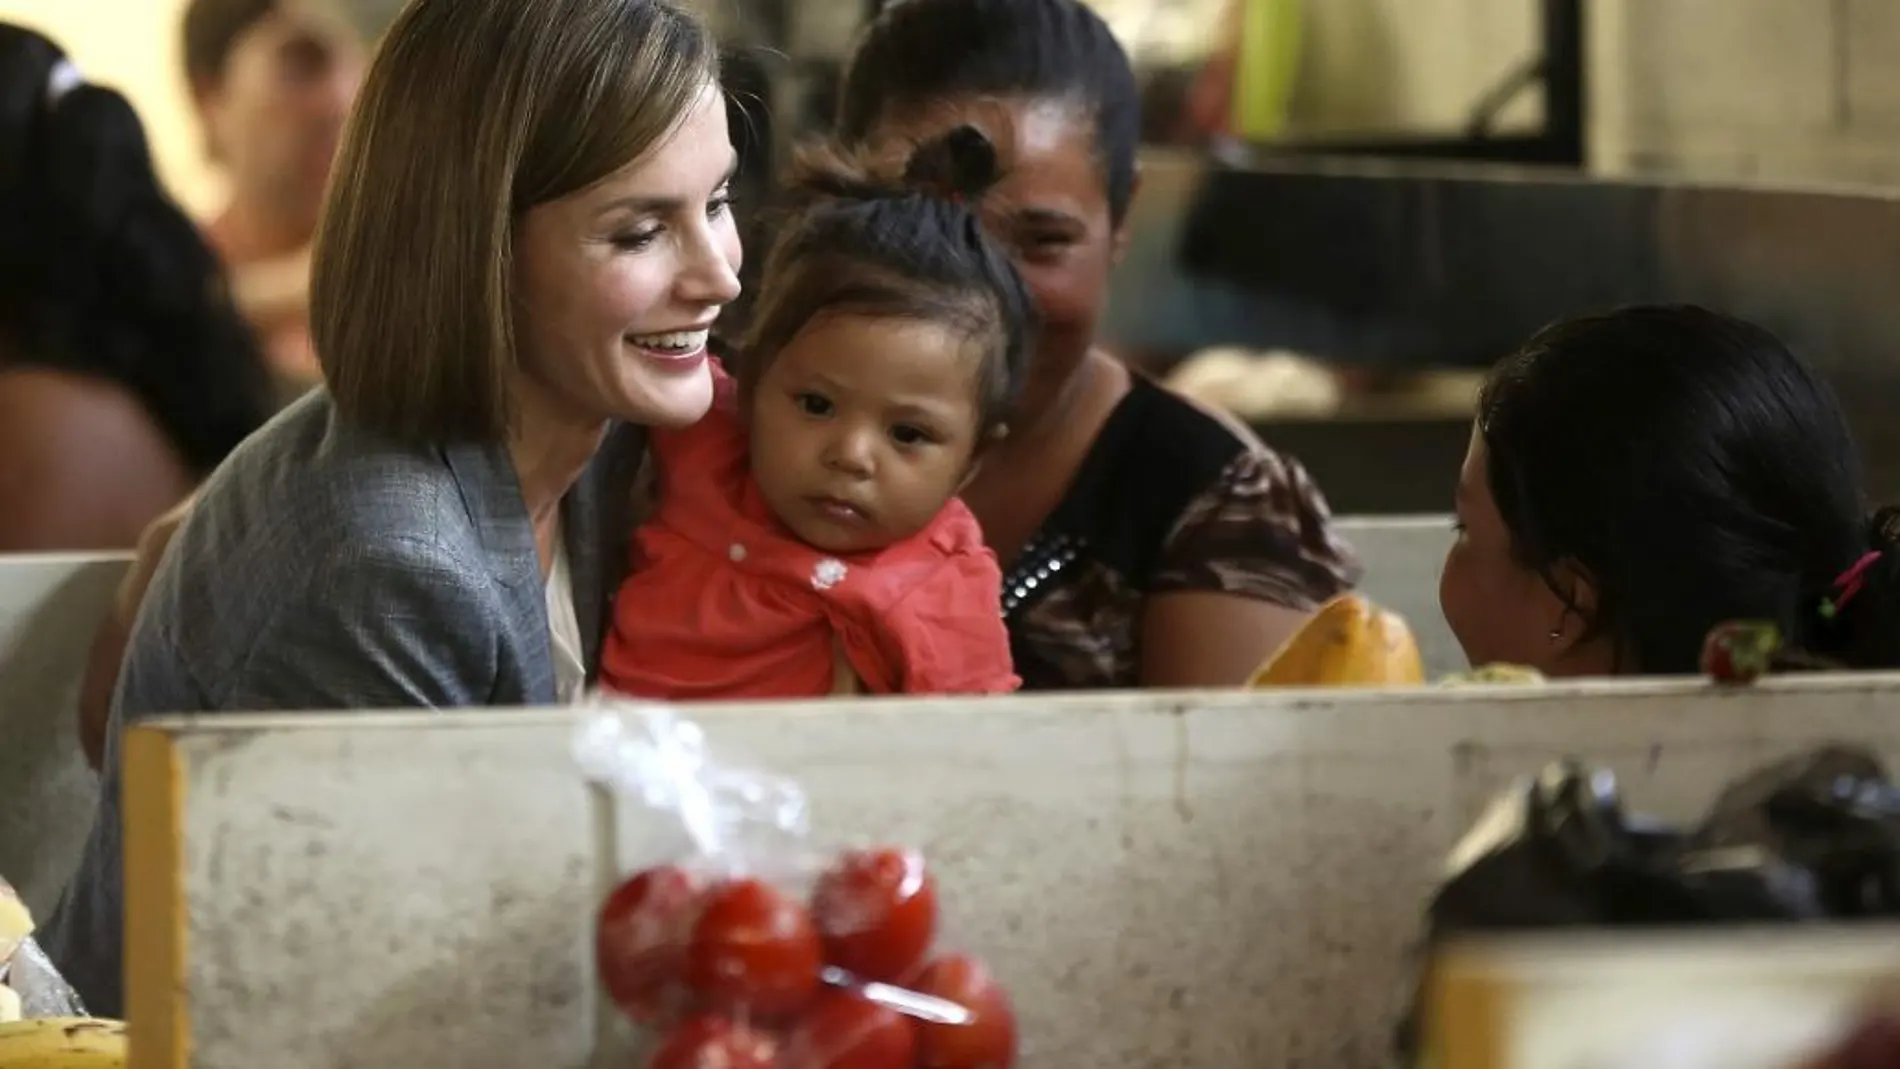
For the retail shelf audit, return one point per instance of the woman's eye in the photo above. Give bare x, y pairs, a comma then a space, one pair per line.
719, 205
813, 404
1044, 246
638, 241
904, 434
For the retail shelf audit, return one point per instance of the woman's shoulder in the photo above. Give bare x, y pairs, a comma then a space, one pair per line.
1197, 501
309, 487
1153, 454
1191, 430
66, 407
1223, 454
1256, 525
91, 466
1157, 444
359, 553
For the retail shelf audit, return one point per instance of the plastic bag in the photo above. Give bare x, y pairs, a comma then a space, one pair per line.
1813, 837
41, 1019
30, 987
743, 944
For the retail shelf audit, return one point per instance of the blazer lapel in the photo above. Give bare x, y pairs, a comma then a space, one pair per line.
491, 493
599, 516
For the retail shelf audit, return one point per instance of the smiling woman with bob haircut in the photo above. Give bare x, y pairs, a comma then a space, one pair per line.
525, 243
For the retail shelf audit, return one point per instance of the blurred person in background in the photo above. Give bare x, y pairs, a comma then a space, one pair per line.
126, 373
272, 81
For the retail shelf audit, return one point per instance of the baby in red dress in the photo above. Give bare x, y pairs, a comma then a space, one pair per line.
808, 539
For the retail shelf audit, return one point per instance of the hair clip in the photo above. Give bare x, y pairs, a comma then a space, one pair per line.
64, 78
1849, 584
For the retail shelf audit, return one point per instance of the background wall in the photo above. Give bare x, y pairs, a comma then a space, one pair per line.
1782, 90
1785, 90
1383, 65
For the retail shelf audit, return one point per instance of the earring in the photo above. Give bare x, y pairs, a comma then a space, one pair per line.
1556, 633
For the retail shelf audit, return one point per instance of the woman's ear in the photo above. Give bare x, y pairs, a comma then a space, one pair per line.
1573, 615
1576, 587
1571, 600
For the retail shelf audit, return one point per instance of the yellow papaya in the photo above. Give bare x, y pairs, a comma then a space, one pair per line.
1349, 642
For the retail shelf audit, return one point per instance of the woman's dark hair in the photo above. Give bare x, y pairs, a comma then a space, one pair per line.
918, 52
100, 273
1696, 471
912, 248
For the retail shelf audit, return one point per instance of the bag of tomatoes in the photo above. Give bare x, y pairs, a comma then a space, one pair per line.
735, 942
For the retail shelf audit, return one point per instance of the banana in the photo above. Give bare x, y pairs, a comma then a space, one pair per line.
10, 1009
63, 1043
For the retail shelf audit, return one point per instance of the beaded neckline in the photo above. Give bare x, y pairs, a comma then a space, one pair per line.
1041, 560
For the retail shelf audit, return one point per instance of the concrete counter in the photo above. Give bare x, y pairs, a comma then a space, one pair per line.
1225, 881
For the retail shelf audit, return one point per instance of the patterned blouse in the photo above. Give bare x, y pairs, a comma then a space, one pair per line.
1169, 499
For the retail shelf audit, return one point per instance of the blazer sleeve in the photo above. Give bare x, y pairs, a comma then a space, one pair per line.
396, 626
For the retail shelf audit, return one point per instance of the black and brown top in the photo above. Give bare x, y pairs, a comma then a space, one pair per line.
1169, 499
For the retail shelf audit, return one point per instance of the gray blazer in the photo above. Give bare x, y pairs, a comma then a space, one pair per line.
324, 567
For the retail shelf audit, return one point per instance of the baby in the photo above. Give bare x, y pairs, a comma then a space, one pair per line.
808, 539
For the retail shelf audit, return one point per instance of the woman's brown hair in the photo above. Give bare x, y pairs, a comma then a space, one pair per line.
474, 112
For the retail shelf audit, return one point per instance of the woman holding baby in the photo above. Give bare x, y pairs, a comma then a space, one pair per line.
445, 523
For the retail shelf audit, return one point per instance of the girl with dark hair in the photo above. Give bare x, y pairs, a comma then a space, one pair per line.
1637, 477
125, 372
1146, 542
808, 538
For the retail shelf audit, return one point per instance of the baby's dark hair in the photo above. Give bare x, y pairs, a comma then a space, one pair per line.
910, 248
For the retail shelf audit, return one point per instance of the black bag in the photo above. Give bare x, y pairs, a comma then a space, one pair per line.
1813, 837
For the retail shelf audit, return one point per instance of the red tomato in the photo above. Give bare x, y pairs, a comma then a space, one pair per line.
640, 942
710, 1042
876, 911
988, 1041
1740, 651
845, 1030
754, 950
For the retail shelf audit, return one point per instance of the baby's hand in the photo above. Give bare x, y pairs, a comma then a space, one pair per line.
844, 678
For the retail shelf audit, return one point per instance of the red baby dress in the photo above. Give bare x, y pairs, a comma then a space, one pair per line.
724, 603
